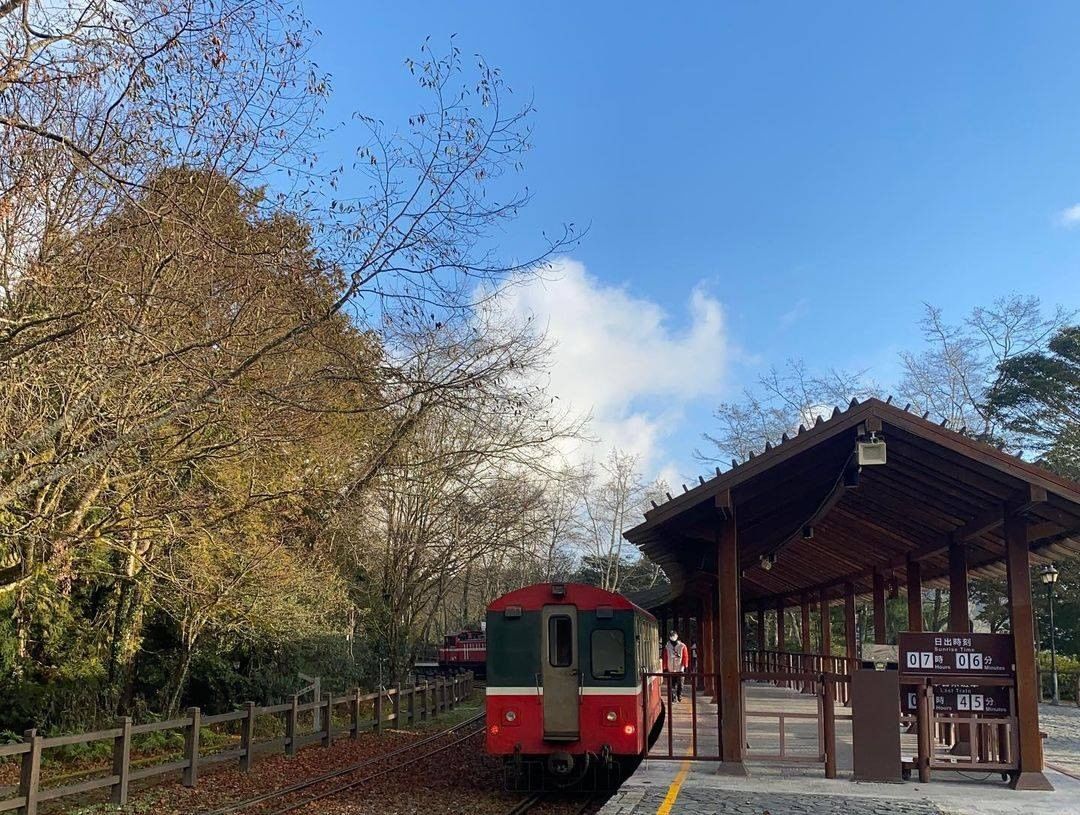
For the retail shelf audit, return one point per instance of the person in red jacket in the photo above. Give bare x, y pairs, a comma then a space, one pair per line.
676, 660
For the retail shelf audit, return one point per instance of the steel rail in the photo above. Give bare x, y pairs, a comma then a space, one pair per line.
310, 782
521, 807
342, 787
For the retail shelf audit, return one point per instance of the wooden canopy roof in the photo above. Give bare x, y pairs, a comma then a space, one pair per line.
938, 486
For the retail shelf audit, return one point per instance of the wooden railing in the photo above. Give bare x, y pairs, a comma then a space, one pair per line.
365, 711
691, 683
991, 740
829, 687
807, 666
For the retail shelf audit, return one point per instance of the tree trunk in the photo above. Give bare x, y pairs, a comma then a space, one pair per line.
181, 680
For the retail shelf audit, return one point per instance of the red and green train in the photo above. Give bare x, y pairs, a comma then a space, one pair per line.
564, 689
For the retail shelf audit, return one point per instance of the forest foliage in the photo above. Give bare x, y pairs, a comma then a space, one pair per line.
259, 415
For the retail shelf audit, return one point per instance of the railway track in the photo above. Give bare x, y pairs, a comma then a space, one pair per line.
368, 764
526, 805
521, 807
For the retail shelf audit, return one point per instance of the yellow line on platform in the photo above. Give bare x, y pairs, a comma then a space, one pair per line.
673, 790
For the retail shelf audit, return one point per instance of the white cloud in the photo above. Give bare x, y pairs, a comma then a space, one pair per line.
620, 358
1070, 217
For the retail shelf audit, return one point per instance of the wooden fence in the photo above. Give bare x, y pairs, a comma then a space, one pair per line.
365, 711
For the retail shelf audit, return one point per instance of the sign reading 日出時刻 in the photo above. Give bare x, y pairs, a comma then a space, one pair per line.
956, 654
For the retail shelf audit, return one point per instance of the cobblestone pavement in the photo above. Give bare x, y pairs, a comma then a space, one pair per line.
1061, 723
726, 802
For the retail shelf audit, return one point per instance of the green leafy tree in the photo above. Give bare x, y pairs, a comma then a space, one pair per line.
1038, 396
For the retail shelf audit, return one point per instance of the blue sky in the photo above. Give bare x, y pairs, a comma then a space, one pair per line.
761, 181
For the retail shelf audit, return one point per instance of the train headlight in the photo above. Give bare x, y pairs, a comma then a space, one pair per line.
494, 730
611, 715
510, 716
628, 730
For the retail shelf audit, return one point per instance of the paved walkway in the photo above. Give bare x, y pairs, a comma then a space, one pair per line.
1061, 723
771, 788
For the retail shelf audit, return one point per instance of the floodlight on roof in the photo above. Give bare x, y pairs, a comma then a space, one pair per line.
871, 452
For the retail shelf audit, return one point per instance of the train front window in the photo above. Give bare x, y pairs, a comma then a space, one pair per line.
560, 641
608, 654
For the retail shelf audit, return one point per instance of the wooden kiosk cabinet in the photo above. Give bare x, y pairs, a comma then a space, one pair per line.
875, 724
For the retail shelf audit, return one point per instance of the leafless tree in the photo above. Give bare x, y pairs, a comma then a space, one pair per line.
783, 399
960, 364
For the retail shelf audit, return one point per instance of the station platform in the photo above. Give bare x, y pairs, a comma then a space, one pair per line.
798, 786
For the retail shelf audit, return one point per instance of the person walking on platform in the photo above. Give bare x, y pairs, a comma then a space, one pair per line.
676, 661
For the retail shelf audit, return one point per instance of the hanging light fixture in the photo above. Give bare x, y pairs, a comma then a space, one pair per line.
870, 452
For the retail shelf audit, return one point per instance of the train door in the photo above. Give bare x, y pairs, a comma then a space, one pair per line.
560, 673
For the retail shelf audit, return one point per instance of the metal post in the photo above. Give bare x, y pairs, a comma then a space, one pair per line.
1053, 645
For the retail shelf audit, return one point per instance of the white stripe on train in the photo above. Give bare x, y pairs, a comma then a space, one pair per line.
535, 691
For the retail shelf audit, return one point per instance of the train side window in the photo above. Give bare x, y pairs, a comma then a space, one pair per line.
608, 653
560, 641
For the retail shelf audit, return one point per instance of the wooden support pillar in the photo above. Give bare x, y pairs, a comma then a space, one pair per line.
914, 595
826, 629
958, 588
761, 629
714, 646
879, 607
850, 640
1022, 625
807, 640
705, 646
780, 644
730, 690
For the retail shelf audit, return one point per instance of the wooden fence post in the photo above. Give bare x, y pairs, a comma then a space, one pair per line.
355, 727
453, 691
397, 707
290, 726
247, 738
30, 776
924, 723
376, 713
121, 762
191, 748
412, 702
423, 700
828, 724
328, 733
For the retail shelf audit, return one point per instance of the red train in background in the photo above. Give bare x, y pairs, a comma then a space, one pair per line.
466, 651
462, 651
564, 689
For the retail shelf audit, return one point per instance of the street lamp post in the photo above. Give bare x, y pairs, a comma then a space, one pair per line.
1049, 577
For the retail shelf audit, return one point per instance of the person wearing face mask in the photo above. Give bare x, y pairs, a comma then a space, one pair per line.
676, 660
